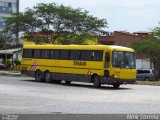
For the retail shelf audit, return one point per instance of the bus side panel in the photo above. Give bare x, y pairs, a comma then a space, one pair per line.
79, 67
64, 69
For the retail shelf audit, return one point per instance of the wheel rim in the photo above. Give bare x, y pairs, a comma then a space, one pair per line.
97, 82
38, 76
47, 77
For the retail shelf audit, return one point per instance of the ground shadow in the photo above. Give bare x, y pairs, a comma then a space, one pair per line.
83, 85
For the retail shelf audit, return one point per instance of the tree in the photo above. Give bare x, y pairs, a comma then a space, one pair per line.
5, 40
22, 22
63, 22
150, 48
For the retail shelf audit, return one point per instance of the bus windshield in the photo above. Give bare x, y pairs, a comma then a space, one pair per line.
123, 59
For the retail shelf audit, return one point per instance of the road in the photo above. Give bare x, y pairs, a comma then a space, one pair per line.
24, 95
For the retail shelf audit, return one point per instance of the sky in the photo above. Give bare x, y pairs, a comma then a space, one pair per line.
121, 15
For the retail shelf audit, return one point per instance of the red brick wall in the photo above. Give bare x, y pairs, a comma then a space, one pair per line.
120, 38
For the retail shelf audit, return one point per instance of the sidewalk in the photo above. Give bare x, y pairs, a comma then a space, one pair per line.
12, 73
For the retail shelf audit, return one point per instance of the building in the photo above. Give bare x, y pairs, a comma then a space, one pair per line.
10, 54
6, 8
122, 38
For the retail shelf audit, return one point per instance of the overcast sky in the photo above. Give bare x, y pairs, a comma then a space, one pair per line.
125, 15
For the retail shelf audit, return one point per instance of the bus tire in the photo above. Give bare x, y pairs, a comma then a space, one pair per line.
38, 76
116, 85
96, 81
57, 81
47, 77
67, 82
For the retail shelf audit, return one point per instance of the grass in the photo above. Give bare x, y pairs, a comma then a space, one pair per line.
154, 83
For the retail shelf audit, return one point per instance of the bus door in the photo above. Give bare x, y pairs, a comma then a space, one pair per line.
107, 64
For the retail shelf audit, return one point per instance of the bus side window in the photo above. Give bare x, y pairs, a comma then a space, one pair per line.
36, 53
64, 54
45, 54
27, 53
97, 55
107, 60
55, 54
74, 55
86, 55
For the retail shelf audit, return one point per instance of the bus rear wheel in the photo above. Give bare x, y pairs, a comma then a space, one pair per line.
47, 77
67, 82
38, 76
57, 81
96, 82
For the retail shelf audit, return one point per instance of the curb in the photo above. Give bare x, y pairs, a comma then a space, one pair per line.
10, 73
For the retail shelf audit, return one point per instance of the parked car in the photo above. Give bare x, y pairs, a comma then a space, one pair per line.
145, 74
2, 66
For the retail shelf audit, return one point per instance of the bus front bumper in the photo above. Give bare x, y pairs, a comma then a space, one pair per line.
112, 81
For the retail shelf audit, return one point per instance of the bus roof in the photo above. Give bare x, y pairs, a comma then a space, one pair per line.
80, 47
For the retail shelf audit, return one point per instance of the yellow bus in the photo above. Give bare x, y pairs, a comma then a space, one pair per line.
97, 64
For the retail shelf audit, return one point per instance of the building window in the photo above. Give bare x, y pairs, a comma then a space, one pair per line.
1, 3
4, 9
14, 7
9, 5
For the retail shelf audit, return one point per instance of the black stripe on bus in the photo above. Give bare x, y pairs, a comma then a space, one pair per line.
63, 67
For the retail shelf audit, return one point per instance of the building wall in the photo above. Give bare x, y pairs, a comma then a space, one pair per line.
144, 64
6, 8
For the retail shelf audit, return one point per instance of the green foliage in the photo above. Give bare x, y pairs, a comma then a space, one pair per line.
65, 23
5, 40
7, 62
76, 39
151, 48
17, 62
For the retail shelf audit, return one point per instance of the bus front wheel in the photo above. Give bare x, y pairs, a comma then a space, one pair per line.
96, 82
116, 85
38, 76
47, 77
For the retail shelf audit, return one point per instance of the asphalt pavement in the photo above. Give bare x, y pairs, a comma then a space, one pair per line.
23, 95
